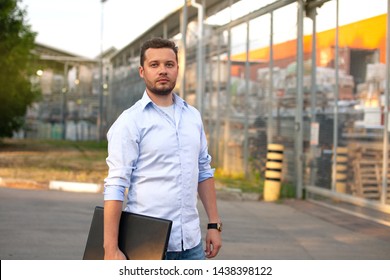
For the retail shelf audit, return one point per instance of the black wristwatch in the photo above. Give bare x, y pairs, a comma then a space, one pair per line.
217, 226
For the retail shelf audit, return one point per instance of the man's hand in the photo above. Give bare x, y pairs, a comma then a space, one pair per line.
213, 243
114, 254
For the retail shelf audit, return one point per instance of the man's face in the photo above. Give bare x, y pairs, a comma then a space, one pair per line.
160, 71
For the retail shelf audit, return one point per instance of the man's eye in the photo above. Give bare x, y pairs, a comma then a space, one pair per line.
170, 65
153, 65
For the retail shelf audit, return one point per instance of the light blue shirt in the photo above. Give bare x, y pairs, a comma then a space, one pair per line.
161, 162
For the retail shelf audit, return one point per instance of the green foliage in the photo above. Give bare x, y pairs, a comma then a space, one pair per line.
253, 184
16, 60
287, 190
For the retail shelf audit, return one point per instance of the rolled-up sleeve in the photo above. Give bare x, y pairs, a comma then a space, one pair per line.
205, 170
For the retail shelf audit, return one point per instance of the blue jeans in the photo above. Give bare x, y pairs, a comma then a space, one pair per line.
196, 253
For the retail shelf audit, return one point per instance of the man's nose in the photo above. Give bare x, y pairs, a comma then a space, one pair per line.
162, 69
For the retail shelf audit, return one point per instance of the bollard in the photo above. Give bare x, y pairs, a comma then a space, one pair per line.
341, 169
273, 172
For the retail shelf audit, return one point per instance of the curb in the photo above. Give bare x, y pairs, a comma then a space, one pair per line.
75, 187
22, 184
53, 185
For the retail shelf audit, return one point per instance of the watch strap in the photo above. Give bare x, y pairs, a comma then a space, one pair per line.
217, 226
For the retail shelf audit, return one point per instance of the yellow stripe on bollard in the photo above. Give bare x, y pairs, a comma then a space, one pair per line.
342, 150
341, 159
341, 176
274, 156
341, 169
273, 173
275, 147
273, 165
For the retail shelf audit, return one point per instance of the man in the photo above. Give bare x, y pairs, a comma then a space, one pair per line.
158, 149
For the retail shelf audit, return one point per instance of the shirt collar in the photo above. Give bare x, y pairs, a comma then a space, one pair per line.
145, 100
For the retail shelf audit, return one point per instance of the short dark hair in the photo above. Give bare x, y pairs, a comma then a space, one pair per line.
157, 43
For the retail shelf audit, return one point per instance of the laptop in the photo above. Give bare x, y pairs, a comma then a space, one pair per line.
140, 237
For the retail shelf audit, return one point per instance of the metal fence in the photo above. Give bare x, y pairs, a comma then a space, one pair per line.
263, 84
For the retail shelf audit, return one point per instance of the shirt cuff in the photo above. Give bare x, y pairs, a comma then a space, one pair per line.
204, 175
114, 193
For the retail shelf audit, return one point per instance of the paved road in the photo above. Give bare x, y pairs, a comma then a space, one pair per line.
42, 224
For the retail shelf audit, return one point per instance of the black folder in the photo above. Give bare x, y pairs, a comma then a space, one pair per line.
140, 237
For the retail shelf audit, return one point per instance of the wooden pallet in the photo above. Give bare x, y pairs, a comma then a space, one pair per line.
368, 178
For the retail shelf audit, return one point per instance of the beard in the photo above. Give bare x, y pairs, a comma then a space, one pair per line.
162, 91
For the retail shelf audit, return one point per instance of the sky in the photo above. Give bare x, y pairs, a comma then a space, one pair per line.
75, 26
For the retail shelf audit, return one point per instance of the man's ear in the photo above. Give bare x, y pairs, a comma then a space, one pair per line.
141, 71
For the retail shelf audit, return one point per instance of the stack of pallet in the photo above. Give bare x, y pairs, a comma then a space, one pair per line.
367, 167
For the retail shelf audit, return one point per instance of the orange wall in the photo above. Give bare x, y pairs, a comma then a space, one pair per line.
365, 34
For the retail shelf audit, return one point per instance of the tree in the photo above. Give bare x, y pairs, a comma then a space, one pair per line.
17, 41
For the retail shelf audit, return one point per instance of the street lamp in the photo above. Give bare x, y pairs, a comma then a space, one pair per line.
64, 101
100, 119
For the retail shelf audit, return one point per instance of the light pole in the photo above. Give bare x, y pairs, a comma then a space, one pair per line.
64, 101
199, 58
100, 117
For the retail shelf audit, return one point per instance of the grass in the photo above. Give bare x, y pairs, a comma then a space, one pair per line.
85, 161
46, 160
255, 184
